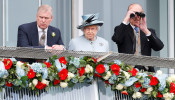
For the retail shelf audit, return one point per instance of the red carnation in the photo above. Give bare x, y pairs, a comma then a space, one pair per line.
100, 69
31, 74
56, 82
40, 85
124, 92
133, 72
63, 60
81, 71
159, 95
47, 64
63, 74
115, 68
9, 84
95, 60
7, 63
97, 75
172, 88
153, 81
138, 84
143, 89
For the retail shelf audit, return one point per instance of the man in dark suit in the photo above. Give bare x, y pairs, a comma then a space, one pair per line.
40, 34
135, 37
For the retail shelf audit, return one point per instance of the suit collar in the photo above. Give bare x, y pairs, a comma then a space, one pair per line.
50, 38
34, 34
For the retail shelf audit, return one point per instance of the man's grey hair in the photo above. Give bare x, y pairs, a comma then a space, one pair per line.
45, 8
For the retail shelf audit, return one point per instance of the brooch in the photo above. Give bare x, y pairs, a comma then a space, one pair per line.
53, 34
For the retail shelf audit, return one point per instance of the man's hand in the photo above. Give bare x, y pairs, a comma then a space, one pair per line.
58, 47
143, 26
127, 17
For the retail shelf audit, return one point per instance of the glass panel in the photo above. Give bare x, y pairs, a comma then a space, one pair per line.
61, 17
18, 12
1, 39
112, 12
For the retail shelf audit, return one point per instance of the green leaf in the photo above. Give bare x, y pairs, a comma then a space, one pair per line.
24, 78
82, 63
154, 93
71, 84
81, 79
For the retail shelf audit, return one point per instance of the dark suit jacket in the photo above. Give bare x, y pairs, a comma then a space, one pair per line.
28, 36
124, 38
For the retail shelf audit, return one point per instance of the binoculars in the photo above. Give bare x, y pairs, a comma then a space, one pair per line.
142, 15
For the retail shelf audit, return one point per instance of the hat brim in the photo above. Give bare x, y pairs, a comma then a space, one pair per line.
99, 23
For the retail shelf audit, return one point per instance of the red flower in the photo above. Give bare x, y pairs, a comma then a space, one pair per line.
95, 60
9, 84
63, 60
81, 71
115, 68
100, 68
107, 82
133, 72
138, 84
153, 81
47, 64
31, 74
56, 82
159, 95
172, 88
63, 74
143, 89
40, 85
124, 92
97, 75
7, 63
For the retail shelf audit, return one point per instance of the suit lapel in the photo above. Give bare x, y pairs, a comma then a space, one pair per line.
131, 34
34, 35
50, 40
142, 39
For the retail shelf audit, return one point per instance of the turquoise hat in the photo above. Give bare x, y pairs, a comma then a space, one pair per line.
90, 19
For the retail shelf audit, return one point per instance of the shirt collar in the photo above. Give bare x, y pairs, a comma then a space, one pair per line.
40, 30
132, 26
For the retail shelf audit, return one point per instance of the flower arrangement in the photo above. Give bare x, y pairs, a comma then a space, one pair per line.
67, 71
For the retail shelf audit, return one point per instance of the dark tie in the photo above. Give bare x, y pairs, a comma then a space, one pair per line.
42, 39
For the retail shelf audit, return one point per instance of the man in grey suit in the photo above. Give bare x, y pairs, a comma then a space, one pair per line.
40, 34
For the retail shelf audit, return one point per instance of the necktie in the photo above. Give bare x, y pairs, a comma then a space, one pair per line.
137, 29
137, 40
42, 39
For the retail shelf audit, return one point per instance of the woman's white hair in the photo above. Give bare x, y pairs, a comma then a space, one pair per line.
98, 28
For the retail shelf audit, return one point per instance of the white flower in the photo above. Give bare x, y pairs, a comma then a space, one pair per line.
171, 78
126, 74
30, 84
148, 91
168, 96
63, 84
70, 75
137, 95
45, 82
5, 76
19, 64
119, 87
159, 72
35, 82
88, 69
108, 75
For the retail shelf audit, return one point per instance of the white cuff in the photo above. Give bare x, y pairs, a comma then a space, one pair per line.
148, 34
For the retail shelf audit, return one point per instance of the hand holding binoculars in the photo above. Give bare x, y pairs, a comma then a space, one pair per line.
142, 15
